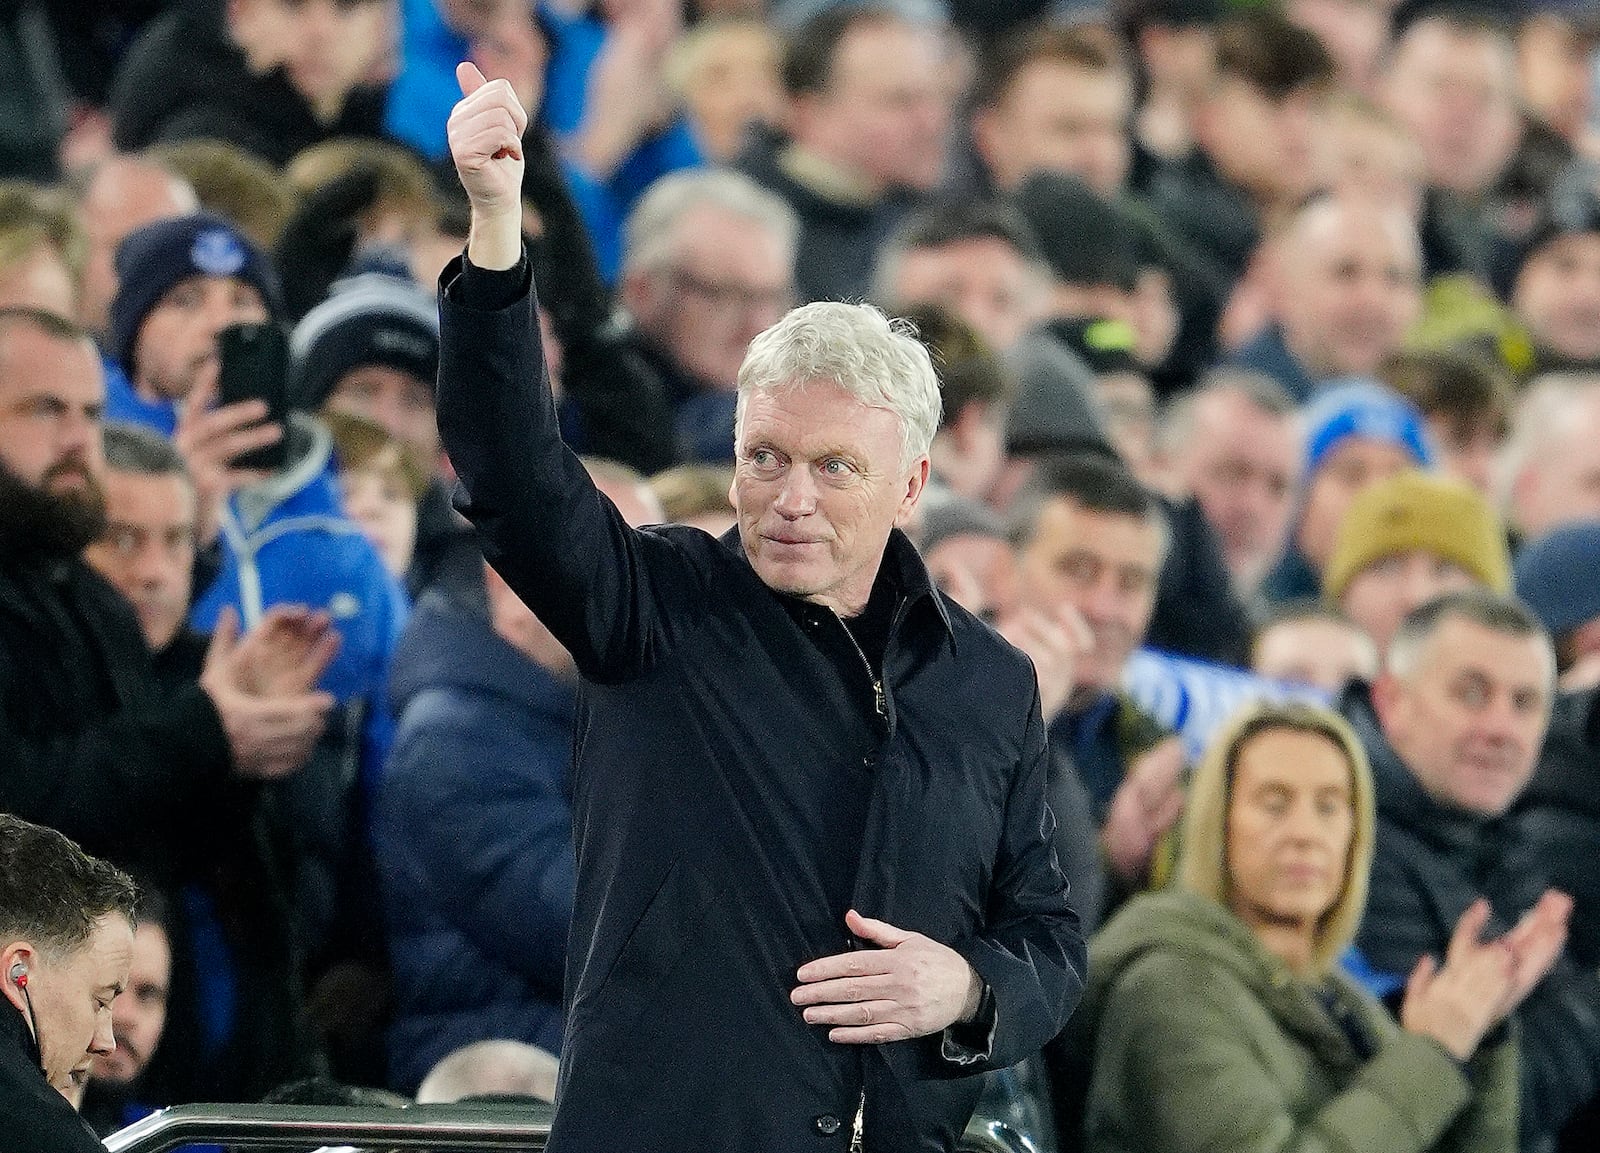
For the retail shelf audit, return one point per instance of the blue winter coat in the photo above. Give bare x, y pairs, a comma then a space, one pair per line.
473, 833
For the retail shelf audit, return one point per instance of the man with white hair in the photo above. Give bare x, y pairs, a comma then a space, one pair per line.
814, 877
1550, 469
708, 262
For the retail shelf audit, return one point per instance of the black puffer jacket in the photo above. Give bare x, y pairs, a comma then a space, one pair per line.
1431, 863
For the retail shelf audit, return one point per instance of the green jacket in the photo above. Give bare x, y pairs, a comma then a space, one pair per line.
1204, 1042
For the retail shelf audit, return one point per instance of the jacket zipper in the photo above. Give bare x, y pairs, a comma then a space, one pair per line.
878, 701
857, 1125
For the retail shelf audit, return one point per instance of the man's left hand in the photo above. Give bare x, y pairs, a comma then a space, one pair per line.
908, 987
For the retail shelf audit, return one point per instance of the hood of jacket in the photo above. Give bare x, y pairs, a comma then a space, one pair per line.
446, 645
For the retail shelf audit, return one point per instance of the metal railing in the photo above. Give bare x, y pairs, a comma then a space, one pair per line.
465, 1126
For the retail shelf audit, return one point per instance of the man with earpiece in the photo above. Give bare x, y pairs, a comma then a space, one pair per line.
66, 945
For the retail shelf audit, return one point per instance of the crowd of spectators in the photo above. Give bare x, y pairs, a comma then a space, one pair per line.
1269, 340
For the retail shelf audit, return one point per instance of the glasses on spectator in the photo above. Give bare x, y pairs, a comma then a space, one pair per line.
733, 295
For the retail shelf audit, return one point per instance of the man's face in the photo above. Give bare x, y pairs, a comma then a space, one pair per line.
1102, 564
139, 1013
331, 45
1469, 718
976, 571
396, 401
72, 998
1265, 146
886, 110
1381, 595
1060, 118
1325, 654
983, 280
1456, 92
1353, 286
1561, 483
1557, 295
729, 279
176, 348
52, 394
819, 482
148, 549
1242, 464
1349, 467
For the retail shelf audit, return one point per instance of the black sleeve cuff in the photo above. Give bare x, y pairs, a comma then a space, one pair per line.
487, 289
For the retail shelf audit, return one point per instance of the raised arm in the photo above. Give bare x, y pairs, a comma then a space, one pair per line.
608, 593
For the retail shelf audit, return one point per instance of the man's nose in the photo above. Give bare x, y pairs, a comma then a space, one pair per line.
797, 496
104, 1041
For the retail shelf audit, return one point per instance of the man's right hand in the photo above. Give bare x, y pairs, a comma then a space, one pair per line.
210, 440
485, 132
1147, 803
272, 722
1457, 1004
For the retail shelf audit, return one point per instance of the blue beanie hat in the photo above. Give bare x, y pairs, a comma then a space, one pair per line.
1554, 575
1358, 407
154, 258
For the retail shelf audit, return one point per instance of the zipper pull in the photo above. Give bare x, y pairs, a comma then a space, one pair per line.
856, 1126
878, 701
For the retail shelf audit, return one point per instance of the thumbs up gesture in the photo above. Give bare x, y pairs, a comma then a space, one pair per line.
485, 133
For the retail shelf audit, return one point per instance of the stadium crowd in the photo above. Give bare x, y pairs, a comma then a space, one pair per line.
1268, 333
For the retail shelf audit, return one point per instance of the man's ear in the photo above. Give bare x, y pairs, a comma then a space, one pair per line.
915, 483
17, 960
1387, 694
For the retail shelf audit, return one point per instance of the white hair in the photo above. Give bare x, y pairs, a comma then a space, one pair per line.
489, 1067
1548, 405
877, 360
650, 235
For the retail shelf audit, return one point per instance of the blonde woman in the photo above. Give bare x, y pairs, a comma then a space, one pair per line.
1219, 1018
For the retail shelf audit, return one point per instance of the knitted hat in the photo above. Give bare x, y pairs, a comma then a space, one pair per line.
1054, 408
154, 258
1106, 346
1363, 408
1415, 510
371, 319
1555, 575
1085, 239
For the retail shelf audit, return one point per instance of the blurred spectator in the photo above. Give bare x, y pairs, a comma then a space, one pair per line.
1308, 643
1090, 537
968, 452
1241, 960
1258, 131
1234, 445
708, 263
1175, 44
1122, 389
42, 251
112, 1099
233, 184
1550, 468
1055, 100
123, 194
1466, 401
490, 1068
977, 259
726, 74
271, 76
1555, 577
1407, 539
868, 122
371, 351
1555, 287
1555, 67
1355, 434
1451, 80
474, 824
1453, 727
696, 494
381, 480
1355, 32
1373, 156
1348, 285
968, 556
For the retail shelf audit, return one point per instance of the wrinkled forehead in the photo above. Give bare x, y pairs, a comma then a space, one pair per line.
815, 417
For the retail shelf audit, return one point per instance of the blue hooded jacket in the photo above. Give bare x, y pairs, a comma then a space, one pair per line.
473, 833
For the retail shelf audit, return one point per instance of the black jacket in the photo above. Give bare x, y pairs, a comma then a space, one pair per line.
734, 790
1430, 863
34, 1118
1558, 817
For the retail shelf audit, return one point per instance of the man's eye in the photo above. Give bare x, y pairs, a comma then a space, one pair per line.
835, 467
